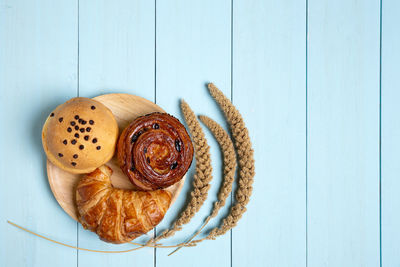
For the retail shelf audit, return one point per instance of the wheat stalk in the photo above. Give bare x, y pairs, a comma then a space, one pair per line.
201, 179
229, 163
203, 174
246, 164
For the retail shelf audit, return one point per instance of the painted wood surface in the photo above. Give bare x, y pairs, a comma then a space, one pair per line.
343, 133
390, 135
37, 71
116, 55
316, 87
270, 91
193, 47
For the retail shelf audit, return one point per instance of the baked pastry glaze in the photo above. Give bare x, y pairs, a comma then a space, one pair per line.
80, 135
118, 215
155, 151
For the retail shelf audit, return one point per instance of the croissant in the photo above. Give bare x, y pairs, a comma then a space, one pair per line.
117, 215
155, 151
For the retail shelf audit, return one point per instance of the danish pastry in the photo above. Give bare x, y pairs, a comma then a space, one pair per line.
155, 151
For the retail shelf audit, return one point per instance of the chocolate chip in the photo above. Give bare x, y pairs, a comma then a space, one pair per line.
91, 122
76, 127
133, 168
52, 115
76, 135
156, 126
134, 138
81, 147
75, 156
94, 140
76, 117
84, 122
69, 129
93, 107
80, 120
73, 163
82, 130
60, 119
88, 129
178, 145
174, 165
98, 147
86, 137
60, 155
72, 123
65, 142
148, 160
73, 141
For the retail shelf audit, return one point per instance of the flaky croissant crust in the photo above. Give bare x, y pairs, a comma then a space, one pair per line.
117, 215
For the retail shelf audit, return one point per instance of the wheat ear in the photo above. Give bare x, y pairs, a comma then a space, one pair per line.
229, 163
202, 177
245, 153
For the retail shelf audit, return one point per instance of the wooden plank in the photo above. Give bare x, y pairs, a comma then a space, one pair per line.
117, 47
38, 67
343, 133
193, 48
269, 53
116, 55
390, 133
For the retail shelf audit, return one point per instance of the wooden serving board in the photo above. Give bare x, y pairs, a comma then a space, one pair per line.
125, 108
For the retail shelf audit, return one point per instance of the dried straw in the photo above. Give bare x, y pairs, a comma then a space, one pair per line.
87, 249
74, 247
229, 162
202, 177
246, 163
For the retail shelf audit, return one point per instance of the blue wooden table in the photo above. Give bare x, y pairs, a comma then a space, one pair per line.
317, 83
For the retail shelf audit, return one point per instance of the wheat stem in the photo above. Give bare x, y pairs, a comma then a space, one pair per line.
229, 163
245, 154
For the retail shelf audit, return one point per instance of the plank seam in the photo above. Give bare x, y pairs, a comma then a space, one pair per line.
155, 101
155, 51
306, 169
77, 92
231, 230
380, 133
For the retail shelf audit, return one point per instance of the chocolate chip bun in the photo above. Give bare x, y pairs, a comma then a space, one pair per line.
80, 135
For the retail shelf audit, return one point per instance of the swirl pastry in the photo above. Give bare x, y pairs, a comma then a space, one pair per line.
155, 151
117, 215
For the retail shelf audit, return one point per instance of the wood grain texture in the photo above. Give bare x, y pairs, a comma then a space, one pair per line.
52, 51
116, 47
37, 69
269, 80
343, 133
125, 108
193, 48
390, 136
116, 55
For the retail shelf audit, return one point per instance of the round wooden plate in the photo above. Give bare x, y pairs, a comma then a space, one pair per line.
125, 108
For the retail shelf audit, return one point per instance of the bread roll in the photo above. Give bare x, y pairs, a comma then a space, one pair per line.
80, 135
